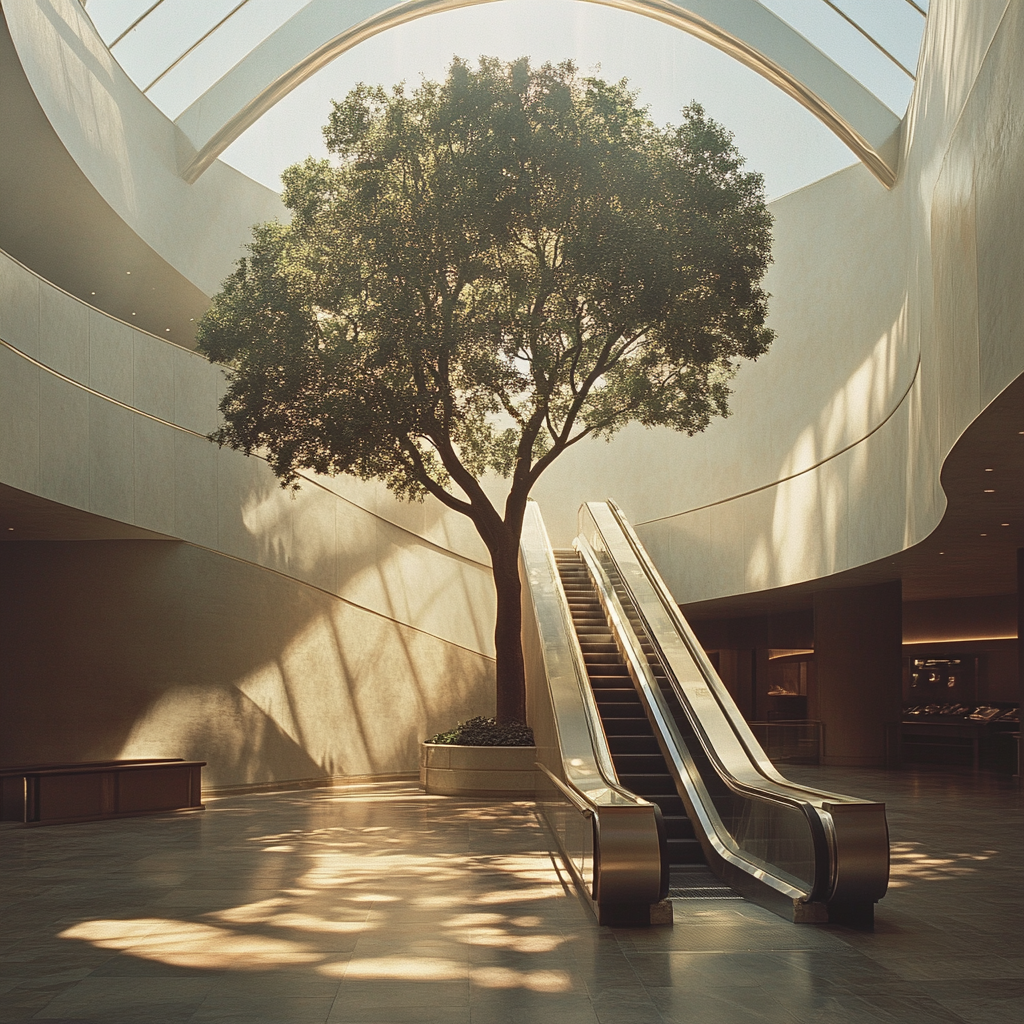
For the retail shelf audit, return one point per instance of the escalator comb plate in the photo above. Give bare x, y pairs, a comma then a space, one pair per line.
703, 892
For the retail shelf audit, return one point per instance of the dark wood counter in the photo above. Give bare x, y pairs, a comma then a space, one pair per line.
53, 794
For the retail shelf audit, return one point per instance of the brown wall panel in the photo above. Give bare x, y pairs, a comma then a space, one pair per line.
149, 648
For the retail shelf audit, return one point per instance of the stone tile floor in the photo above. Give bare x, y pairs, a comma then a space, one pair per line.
380, 904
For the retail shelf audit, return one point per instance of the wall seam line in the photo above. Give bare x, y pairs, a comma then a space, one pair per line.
809, 469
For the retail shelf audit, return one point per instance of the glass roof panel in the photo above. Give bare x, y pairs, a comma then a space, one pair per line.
894, 25
187, 45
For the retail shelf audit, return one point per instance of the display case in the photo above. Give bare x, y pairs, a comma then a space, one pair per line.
956, 733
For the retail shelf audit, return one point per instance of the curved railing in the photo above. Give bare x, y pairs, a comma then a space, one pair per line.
613, 841
802, 852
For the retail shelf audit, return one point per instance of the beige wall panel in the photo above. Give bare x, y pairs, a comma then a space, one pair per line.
314, 542
785, 531
153, 455
111, 359
359, 578
240, 484
999, 172
844, 356
726, 547
19, 422
198, 386
268, 516
19, 307
153, 366
146, 649
954, 263
63, 334
111, 460
424, 585
681, 549
195, 489
879, 491
64, 453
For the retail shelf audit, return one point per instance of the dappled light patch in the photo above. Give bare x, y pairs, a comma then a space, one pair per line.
912, 862
348, 900
191, 943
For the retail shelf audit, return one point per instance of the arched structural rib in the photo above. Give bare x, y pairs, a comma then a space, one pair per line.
744, 29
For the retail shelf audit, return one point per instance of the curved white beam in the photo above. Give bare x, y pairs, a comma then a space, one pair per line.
744, 29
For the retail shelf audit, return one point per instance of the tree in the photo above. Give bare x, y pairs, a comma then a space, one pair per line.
491, 270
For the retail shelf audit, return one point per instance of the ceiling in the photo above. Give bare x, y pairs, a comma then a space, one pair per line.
26, 516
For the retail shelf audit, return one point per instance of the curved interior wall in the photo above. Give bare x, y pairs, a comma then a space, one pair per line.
324, 632
907, 299
899, 317
383, 610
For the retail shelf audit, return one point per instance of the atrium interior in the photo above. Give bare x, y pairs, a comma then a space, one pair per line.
847, 546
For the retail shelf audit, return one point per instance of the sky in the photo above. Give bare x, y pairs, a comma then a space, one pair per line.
668, 68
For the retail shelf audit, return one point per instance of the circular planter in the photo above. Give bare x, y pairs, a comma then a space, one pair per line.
451, 770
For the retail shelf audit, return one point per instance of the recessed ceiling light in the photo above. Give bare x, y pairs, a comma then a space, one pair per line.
167, 329
10, 527
984, 535
133, 314
942, 552
92, 293
988, 470
1004, 524
127, 271
990, 490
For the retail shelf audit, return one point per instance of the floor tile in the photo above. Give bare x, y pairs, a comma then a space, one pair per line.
378, 905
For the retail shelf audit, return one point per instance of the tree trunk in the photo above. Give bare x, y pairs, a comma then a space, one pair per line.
508, 643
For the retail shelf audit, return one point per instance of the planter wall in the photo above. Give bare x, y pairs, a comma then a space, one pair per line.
450, 770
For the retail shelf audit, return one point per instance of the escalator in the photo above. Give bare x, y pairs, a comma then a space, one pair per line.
647, 767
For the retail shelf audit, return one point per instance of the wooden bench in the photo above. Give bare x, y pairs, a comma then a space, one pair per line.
57, 794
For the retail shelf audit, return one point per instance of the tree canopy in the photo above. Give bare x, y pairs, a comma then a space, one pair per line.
490, 270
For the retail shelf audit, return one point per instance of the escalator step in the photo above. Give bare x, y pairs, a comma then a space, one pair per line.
611, 675
619, 694
671, 805
623, 711
685, 851
656, 785
633, 745
639, 764
629, 726
678, 826
601, 684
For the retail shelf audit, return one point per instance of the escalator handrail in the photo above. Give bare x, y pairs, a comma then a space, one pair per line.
608, 782
581, 803
628, 840
685, 771
857, 830
742, 730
